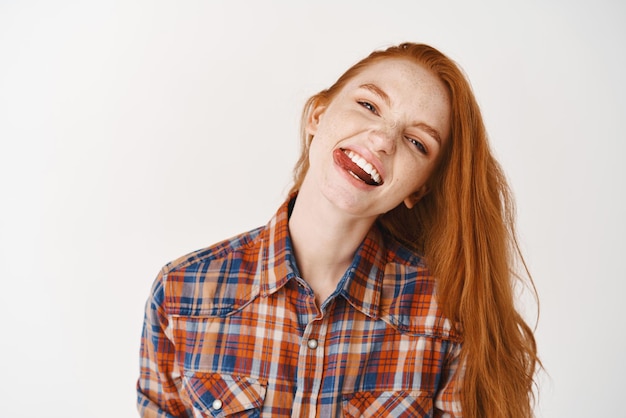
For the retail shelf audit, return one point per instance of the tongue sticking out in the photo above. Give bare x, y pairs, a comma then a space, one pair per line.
347, 164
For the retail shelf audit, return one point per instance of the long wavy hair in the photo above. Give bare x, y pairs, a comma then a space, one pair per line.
465, 228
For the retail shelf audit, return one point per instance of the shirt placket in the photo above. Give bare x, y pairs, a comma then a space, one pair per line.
310, 373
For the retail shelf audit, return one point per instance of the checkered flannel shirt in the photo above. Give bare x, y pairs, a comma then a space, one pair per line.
232, 330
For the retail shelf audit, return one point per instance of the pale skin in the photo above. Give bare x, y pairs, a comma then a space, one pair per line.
394, 116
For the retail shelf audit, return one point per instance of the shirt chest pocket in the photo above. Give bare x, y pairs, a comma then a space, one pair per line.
219, 395
388, 404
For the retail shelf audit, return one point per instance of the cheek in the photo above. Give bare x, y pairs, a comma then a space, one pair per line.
324, 138
339, 124
317, 150
415, 174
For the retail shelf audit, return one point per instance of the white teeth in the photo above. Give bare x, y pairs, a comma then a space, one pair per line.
367, 167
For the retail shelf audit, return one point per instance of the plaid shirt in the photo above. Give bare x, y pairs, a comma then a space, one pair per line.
233, 330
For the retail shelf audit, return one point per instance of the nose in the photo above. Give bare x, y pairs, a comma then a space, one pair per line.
384, 138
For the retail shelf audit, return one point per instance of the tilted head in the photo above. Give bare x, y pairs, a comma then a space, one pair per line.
461, 152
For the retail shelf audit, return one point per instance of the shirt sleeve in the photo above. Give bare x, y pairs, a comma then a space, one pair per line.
448, 397
159, 377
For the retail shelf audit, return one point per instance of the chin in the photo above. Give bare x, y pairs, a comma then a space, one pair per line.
350, 203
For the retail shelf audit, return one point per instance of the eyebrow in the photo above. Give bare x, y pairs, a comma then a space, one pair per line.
377, 91
430, 131
380, 93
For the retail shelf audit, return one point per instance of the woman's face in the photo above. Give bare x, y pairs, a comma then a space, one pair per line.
377, 141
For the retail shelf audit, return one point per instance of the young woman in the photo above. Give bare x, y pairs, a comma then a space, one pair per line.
383, 286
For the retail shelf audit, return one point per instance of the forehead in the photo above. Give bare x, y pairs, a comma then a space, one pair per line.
413, 91
400, 74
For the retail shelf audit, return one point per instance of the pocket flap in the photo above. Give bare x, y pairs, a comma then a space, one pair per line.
223, 395
392, 404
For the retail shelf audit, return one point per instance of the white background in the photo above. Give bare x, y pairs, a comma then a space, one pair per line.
133, 132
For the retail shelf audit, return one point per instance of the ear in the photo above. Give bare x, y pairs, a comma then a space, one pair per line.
315, 115
412, 199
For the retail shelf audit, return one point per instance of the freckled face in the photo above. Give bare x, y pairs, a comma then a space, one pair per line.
377, 141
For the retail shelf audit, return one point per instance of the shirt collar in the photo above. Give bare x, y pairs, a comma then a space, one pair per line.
278, 261
361, 285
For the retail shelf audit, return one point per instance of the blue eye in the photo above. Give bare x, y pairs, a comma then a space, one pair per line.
369, 107
420, 147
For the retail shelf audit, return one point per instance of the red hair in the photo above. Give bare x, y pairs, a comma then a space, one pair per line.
465, 228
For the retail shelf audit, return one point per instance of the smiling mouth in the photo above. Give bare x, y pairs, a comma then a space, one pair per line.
358, 167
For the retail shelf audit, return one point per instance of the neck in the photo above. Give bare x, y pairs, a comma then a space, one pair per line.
324, 241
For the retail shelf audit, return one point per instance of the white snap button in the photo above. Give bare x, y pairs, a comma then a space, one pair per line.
312, 343
217, 404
